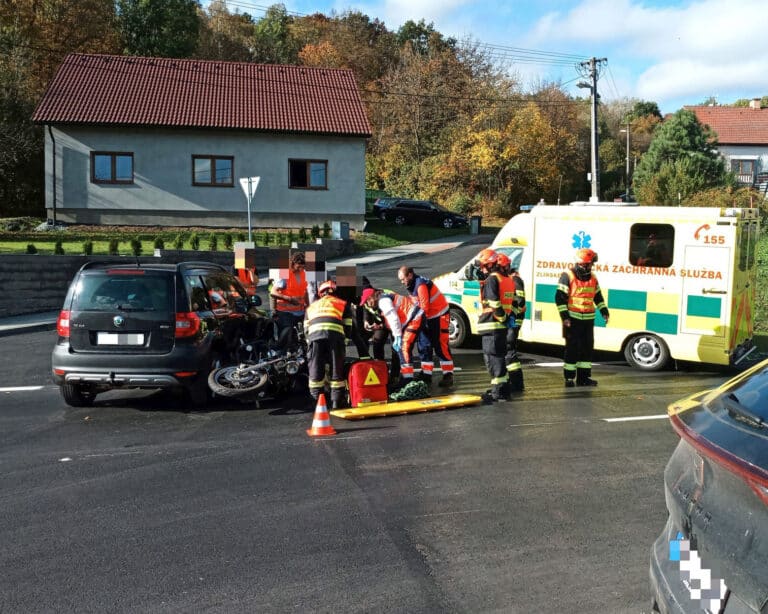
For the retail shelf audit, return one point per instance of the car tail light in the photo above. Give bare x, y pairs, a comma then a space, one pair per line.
125, 272
187, 324
755, 477
62, 323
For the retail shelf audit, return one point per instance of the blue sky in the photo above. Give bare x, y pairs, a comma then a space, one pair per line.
673, 53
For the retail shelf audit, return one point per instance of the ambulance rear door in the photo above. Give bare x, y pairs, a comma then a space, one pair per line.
706, 283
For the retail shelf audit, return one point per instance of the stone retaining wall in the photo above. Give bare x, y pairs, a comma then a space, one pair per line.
35, 283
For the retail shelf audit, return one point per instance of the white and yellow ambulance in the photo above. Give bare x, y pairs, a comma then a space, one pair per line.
679, 281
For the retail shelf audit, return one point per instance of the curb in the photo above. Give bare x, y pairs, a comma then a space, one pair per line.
27, 328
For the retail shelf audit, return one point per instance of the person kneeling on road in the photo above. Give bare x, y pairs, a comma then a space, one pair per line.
402, 316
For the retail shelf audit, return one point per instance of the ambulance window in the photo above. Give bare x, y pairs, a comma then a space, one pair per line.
651, 245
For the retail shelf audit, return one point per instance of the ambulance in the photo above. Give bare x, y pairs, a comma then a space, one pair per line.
679, 281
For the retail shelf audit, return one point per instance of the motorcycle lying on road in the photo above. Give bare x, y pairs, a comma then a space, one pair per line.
268, 366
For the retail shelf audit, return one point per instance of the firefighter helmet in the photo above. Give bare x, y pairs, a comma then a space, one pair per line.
487, 258
503, 260
327, 287
586, 256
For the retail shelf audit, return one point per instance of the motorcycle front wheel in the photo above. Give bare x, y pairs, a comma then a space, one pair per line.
235, 381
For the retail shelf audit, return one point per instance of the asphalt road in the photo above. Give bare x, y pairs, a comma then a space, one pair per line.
536, 505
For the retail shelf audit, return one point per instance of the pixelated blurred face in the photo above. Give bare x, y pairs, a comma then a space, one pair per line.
371, 302
403, 277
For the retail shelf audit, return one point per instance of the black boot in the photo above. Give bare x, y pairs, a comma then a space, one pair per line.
425, 377
587, 381
516, 381
446, 381
488, 398
569, 383
338, 404
499, 391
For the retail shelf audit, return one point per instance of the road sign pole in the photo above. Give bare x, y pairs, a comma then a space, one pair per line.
250, 197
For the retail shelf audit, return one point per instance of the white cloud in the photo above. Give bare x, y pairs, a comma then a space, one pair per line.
697, 49
396, 12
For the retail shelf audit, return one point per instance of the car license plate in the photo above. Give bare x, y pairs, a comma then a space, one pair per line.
120, 339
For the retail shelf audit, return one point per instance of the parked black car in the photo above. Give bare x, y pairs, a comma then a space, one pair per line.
147, 326
380, 205
713, 552
423, 212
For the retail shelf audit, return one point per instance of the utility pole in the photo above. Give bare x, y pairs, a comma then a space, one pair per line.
590, 70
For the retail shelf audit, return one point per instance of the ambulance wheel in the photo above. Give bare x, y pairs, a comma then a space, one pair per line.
458, 328
646, 352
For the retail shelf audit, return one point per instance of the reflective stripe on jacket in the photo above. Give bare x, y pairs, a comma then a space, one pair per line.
492, 317
327, 315
519, 304
578, 299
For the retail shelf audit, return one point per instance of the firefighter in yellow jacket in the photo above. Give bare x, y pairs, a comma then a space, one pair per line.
328, 324
492, 325
513, 302
578, 297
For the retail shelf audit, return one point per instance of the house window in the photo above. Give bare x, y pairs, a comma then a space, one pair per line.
743, 169
308, 174
651, 245
216, 171
111, 167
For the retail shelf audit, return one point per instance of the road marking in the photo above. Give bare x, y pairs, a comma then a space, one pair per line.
21, 388
635, 418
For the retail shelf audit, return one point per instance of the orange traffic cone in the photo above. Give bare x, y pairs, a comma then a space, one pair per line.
321, 423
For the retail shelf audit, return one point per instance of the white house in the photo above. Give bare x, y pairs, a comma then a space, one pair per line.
742, 136
134, 140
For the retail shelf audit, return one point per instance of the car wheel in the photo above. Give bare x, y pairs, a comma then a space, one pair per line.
448, 223
77, 395
458, 328
399, 220
646, 352
383, 215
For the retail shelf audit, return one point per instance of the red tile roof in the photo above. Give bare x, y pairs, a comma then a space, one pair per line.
136, 91
735, 125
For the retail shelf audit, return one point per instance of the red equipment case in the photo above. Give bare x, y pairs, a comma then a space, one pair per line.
367, 382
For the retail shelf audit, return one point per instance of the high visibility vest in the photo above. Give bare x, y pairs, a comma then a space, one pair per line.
326, 315
581, 296
296, 288
404, 305
507, 294
435, 304
492, 316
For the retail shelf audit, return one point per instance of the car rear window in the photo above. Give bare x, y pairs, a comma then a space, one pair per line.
750, 393
127, 291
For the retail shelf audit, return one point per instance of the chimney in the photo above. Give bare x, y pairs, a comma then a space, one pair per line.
754, 103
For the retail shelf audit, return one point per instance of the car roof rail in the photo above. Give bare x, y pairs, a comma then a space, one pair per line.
200, 264
91, 264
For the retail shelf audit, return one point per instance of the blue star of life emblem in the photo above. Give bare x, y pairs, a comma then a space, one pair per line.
581, 239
